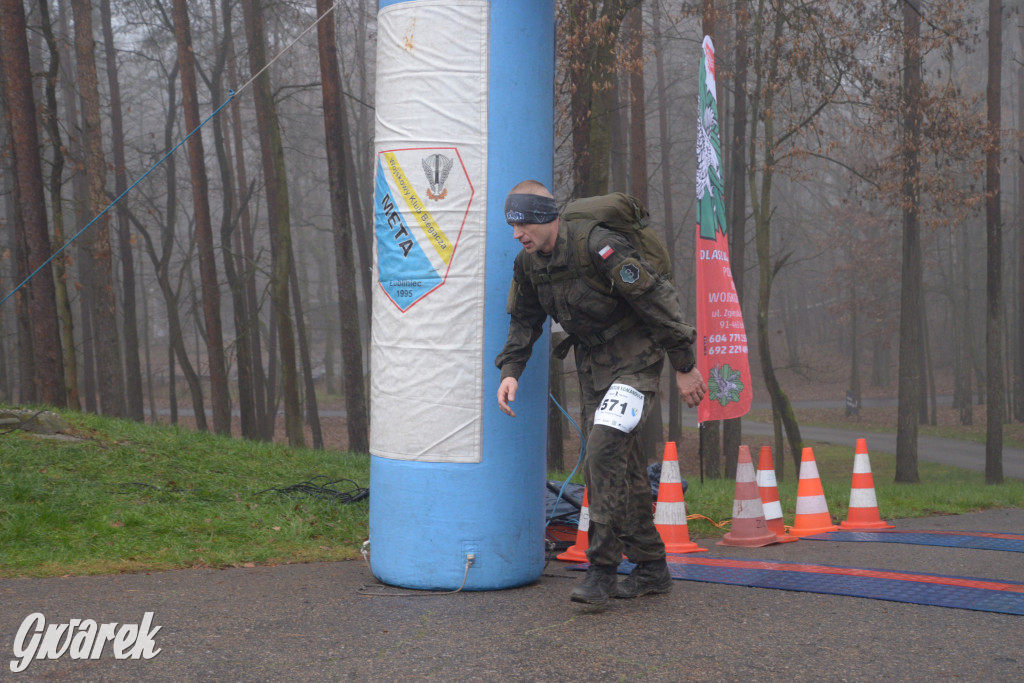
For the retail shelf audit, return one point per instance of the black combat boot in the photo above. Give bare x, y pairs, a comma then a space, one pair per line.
646, 577
597, 586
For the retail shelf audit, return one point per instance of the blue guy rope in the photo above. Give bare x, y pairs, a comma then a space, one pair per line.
231, 96
579, 460
109, 206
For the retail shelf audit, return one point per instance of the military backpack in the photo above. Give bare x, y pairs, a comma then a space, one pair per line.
623, 214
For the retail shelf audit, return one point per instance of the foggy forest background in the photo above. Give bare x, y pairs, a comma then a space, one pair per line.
872, 155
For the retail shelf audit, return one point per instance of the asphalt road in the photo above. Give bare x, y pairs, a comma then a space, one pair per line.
310, 623
964, 454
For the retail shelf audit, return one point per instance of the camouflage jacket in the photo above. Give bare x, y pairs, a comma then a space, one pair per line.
622, 333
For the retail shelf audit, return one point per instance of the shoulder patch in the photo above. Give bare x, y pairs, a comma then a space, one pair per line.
605, 251
629, 273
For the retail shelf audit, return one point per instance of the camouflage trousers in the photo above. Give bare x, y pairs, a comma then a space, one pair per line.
618, 491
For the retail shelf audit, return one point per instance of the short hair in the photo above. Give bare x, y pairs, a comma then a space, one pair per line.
532, 187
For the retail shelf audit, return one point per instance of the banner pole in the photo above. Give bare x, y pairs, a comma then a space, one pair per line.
700, 449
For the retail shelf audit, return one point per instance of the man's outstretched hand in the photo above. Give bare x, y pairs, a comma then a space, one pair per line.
507, 394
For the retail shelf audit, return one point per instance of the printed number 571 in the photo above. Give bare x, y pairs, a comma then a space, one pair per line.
609, 404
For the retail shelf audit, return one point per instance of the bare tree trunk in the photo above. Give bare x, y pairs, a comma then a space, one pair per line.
653, 435
273, 397
854, 346
967, 349
172, 389
220, 397
333, 383
246, 250
994, 367
132, 368
28, 176
618, 125
338, 177
675, 422
147, 349
922, 377
305, 359
85, 324
232, 262
162, 263
28, 388
732, 430
5, 386
109, 375
761, 107
910, 286
578, 14
932, 398
278, 215
56, 183
359, 173
80, 201
591, 65
1018, 382
174, 327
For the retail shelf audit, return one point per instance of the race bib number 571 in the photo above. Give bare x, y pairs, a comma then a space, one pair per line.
621, 408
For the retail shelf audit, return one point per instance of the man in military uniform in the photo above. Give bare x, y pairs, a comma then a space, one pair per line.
621, 335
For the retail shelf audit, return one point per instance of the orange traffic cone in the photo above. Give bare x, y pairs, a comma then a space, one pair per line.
670, 513
578, 551
863, 513
749, 527
811, 507
769, 490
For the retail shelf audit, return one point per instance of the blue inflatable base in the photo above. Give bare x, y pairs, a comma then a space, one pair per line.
426, 519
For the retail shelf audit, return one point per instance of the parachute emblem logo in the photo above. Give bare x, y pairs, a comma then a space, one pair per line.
437, 167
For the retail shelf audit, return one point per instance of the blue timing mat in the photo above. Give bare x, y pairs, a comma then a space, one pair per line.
952, 539
960, 592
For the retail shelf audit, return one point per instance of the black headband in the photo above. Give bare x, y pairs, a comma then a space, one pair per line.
530, 208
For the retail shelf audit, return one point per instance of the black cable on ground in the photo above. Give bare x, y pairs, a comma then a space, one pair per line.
327, 490
320, 487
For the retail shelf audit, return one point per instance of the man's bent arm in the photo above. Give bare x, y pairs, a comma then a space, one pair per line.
526, 322
651, 296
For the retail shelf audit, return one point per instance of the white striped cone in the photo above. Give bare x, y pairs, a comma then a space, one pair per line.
768, 487
863, 512
578, 551
812, 515
670, 513
749, 528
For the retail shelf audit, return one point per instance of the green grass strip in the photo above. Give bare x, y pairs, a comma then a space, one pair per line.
123, 496
130, 497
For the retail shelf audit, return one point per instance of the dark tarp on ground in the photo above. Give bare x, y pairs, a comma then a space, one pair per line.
567, 510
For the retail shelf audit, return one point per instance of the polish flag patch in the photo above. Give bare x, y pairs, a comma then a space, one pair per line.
606, 251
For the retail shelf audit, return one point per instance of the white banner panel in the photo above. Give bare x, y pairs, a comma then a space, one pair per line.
430, 222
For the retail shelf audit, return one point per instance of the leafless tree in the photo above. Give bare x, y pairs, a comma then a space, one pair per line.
96, 242
132, 367
338, 169
994, 367
28, 175
272, 154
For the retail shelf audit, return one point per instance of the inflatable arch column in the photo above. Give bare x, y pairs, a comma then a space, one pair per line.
464, 111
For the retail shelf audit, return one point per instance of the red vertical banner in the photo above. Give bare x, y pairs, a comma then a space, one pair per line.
721, 336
